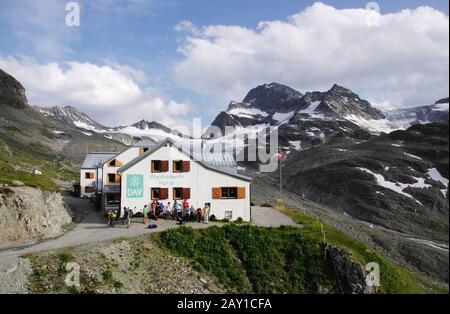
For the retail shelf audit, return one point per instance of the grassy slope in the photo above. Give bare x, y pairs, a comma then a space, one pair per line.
394, 278
252, 259
17, 164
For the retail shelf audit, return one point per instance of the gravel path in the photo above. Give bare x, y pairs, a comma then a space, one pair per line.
269, 217
90, 226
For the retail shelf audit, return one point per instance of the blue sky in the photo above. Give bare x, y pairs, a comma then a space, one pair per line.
139, 41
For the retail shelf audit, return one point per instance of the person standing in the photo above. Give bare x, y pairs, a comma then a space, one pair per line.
130, 214
145, 212
206, 214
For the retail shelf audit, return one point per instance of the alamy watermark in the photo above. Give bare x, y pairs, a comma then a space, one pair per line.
73, 17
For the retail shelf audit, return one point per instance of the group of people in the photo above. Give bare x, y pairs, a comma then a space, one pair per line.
114, 217
181, 212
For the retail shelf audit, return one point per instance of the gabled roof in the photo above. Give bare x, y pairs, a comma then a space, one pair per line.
96, 159
145, 143
188, 154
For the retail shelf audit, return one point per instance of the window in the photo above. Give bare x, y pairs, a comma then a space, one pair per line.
142, 150
89, 175
114, 163
113, 178
181, 166
228, 193
159, 193
160, 165
228, 215
177, 166
177, 193
89, 189
181, 193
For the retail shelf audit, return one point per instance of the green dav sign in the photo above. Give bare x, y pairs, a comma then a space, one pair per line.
135, 186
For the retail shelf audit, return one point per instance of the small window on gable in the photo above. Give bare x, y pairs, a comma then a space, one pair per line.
142, 150
114, 163
89, 175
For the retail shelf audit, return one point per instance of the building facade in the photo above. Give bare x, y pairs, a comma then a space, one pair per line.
166, 173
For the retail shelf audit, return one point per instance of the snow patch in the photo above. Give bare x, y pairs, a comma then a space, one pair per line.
413, 156
296, 144
397, 187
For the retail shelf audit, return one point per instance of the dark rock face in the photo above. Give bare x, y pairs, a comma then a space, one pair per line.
273, 97
442, 101
12, 93
352, 277
144, 124
343, 102
340, 174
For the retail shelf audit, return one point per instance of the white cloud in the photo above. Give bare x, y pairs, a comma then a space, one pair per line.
404, 60
109, 94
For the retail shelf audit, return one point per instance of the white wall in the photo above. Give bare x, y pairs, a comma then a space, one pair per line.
200, 180
124, 157
87, 182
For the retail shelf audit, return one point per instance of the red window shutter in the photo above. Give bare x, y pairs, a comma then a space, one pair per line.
164, 193
164, 165
186, 193
185, 166
216, 193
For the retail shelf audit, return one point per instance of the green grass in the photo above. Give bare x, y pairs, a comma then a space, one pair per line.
16, 164
14, 130
246, 258
393, 278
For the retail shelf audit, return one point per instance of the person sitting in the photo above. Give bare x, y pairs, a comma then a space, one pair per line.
199, 214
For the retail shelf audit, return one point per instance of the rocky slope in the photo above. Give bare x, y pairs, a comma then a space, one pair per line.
28, 214
47, 133
398, 180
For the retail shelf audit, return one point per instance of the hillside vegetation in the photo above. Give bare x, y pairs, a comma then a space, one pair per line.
19, 164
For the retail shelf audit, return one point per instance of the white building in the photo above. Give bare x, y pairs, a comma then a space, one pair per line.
91, 173
167, 173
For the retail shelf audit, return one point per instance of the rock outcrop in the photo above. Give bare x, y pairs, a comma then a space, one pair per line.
12, 93
28, 214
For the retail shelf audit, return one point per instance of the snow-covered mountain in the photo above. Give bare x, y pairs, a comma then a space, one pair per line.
71, 115
304, 120
125, 134
437, 112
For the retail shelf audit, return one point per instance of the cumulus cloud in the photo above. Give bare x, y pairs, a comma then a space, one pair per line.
109, 93
401, 60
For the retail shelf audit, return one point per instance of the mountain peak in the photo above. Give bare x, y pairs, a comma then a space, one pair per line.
273, 97
12, 93
340, 89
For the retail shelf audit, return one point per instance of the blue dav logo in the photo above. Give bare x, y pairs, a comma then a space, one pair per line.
135, 185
